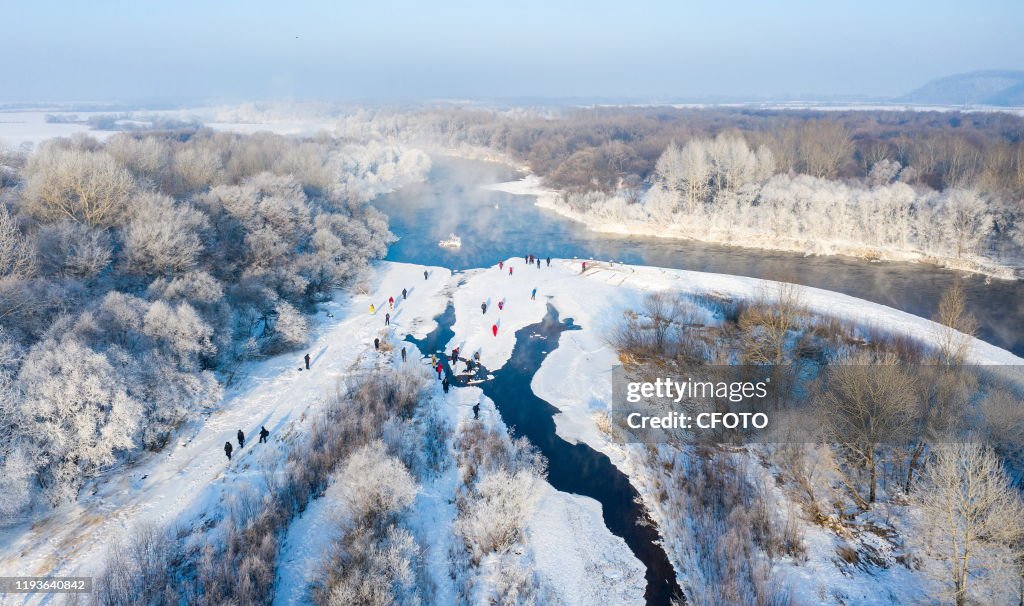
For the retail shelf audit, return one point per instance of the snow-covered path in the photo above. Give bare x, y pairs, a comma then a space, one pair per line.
188, 478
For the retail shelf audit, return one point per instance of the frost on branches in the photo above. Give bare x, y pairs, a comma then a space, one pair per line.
132, 271
722, 190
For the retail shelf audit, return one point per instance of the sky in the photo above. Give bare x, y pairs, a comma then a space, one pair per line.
230, 50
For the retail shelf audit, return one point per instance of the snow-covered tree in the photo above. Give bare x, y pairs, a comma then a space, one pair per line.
16, 251
972, 523
76, 414
79, 185
966, 221
72, 250
163, 237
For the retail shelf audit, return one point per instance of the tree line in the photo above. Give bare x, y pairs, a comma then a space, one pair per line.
137, 272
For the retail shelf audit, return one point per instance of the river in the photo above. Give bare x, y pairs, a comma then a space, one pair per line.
496, 225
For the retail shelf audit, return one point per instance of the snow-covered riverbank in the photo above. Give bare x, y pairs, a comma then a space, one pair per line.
576, 377
191, 478
631, 221
190, 481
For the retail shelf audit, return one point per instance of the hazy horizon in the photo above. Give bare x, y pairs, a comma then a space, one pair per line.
111, 51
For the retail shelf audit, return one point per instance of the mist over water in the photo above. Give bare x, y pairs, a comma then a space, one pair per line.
495, 225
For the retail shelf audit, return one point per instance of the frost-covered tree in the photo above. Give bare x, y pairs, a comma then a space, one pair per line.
73, 250
163, 237
972, 523
866, 404
686, 173
374, 561
147, 158
156, 259
195, 168
495, 518
16, 251
83, 186
286, 330
17, 264
966, 220
75, 414
16, 472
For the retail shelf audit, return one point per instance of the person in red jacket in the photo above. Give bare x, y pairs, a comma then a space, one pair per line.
440, 370
391, 302
510, 270
501, 265
494, 330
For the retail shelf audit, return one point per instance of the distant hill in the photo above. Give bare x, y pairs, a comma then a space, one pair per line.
991, 87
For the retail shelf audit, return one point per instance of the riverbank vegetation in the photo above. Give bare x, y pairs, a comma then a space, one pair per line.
943, 187
365, 459
136, 273
890, 461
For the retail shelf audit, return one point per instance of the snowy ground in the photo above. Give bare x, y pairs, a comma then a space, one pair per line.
582, 561
575, 552
576, 377
19, 128
192, 476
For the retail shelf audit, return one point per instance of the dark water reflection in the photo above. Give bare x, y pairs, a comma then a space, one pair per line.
452, 201
575, 468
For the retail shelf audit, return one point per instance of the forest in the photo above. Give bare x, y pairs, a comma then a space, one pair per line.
137, 273
946, 187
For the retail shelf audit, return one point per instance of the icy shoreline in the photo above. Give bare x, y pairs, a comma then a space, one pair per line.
550, 199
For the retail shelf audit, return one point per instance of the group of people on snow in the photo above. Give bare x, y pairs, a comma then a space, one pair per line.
240, 436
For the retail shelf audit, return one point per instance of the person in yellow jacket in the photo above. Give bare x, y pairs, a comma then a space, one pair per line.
373, 309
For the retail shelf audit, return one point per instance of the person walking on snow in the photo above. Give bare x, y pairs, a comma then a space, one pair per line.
501, 305
263, 434
433, 360
549, 261
403, 355
440, 370
538, 263
444, 384
373, 309
483, 307
227, 450
494, 330
405, 294
391, 302
424, 274
376, 343
307, 361
455, 355
533, 295
387, 319
241, 439
510, 270
584, 267
476, 410
501, 265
